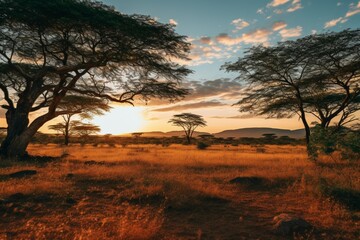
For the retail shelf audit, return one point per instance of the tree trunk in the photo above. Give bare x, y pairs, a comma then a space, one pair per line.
19, 132
16, 146
15, 143
66, 139
188, 139
66, 132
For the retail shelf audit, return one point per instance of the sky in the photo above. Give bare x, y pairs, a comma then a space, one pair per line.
220, 31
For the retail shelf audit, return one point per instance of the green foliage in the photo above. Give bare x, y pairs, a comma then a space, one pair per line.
324, 139
331, 139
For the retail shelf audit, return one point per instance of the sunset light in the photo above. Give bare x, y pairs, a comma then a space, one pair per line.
167, 119
121, 120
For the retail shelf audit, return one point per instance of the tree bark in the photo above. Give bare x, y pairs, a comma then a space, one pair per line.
15, 143
19, 132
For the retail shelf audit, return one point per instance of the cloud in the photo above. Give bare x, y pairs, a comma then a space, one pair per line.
276, 3
333, 22
291, 32
173, 22
244, 116
260, 11
353, 10
239, 24
153, 119
205, 40
278, 11
213, 88
222, 89
294, 7
225, 39
181, 107
279, 25
257, 36
204, 50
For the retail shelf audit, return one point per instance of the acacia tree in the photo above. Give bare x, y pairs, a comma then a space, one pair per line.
317, 75
49, 49
84, 130
189, 122
85, 107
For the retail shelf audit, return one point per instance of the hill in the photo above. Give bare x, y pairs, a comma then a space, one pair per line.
258, 132
236, 133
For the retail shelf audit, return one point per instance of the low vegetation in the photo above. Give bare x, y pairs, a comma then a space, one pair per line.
177, 192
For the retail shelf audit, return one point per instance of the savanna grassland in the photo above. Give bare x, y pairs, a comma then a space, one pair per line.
176, 192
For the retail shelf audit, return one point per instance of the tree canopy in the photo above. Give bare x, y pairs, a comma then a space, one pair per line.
49, 49
189, 122
85, 107
317, 75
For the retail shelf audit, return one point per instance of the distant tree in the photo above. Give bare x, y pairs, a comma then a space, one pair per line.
49, 49
189, 122
317, 75
137, 134
207, 137
269, 136
85, 129
85, 107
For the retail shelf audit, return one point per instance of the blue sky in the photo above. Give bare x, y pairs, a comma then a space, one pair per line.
210, 18
220, 31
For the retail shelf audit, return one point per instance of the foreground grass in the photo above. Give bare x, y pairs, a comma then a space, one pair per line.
177, 192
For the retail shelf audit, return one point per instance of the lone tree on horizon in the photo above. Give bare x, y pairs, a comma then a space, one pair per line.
189, 122
50, 49
317, 75
85, 107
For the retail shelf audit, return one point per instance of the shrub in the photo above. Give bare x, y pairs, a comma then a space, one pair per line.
328, 140
202, 145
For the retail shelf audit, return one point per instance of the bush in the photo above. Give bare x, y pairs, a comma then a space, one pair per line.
202, 145
329, 140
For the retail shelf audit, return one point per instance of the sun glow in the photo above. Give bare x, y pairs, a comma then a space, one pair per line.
121, 120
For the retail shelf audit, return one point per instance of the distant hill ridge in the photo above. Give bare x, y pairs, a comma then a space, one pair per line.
236, 133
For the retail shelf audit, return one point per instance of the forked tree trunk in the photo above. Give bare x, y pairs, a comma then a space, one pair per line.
19, 133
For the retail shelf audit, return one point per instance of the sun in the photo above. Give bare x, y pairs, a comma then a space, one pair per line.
120, 120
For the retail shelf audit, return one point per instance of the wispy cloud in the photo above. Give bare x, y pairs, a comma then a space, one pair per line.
353, 10
260, 11
213, 88
333, 23
205, 40
239, 24
276, 3
153, 119
257, 36
181, 107
260, 35
279, 25
291, 32
225, 39
295, 5
173, 22
244, 116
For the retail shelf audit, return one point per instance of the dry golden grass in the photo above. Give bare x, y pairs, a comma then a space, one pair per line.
176, 192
